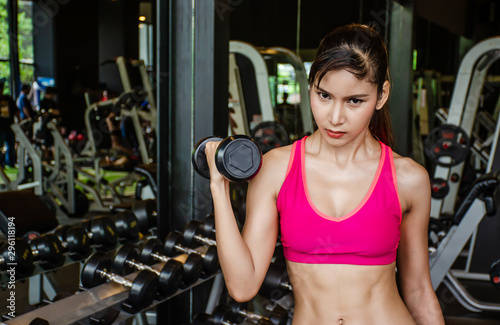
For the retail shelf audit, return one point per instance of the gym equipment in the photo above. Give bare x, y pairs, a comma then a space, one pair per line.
480, 202
145, 212
21, 257
495, 274
174, 245
237, 158
48, 250
270, 135
464, 104
74, 239
207, 227
439, 188
127, 226
192, 265
192, 235
276, 283
102, 232
125, 261
143, 289
248, 70
447, 145
279, 315
134, 111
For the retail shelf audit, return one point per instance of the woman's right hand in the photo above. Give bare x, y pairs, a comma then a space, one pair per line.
216, 178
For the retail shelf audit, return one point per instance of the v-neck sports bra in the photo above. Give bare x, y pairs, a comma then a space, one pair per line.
369, 235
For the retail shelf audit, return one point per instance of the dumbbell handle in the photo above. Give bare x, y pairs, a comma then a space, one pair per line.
286, 285
188, 250
161, 258
251, 315
115, 278
140, 267
205, 240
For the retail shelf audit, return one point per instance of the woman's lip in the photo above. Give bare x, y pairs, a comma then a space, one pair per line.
334, 134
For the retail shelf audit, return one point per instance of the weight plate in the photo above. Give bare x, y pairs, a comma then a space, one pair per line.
447, 145
270, 135
199, 159
238, 158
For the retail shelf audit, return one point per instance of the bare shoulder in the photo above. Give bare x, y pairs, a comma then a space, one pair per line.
410, 172
413, 180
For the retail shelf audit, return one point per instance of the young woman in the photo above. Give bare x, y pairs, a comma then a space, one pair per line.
350, 210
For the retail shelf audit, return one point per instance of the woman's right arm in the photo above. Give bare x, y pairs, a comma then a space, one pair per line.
245, 257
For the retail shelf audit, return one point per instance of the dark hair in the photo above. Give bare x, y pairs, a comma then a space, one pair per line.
25, 87
50, 90
360, 50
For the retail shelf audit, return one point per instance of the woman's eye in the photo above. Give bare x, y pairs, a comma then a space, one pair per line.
355, 101
323, 95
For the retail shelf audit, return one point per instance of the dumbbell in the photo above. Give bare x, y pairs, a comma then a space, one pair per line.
276, 283
145, 212
48, 250
174, 245
237, 313
193, 234
74, 239
102, 232
125, 261
237, 158
143, 289
151, 253
19, 255
207, 227
127, 226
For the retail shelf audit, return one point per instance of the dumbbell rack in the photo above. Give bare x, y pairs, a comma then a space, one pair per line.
89, 302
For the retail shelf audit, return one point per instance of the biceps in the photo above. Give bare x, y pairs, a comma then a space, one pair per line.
260, 231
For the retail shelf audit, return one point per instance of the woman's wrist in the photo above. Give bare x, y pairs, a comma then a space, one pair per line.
219, 187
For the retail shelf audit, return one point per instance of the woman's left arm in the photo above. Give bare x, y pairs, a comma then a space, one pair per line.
413, 257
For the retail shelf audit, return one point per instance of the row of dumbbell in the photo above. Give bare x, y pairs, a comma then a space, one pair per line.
182, 267
236, 313
178, 271
103, 233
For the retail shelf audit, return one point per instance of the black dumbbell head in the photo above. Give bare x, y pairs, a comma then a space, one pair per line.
98, 261
207, 226
144, 289
78, 243
279, 316
223, 313
21, 255
152, 246
271, 287
103, 233
170, 278
199, 159
125, 253
192, 269
211, 261
190, 231
50, 251
145, 211
238, 158
173, 239
127, 226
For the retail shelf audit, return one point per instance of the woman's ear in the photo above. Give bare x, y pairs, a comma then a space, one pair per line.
384, 95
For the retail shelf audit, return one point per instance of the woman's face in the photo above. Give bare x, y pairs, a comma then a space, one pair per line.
343, 105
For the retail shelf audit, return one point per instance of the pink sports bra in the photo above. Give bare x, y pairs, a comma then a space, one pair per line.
369, 235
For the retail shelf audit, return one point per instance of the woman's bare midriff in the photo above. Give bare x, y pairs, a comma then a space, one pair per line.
346, 295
